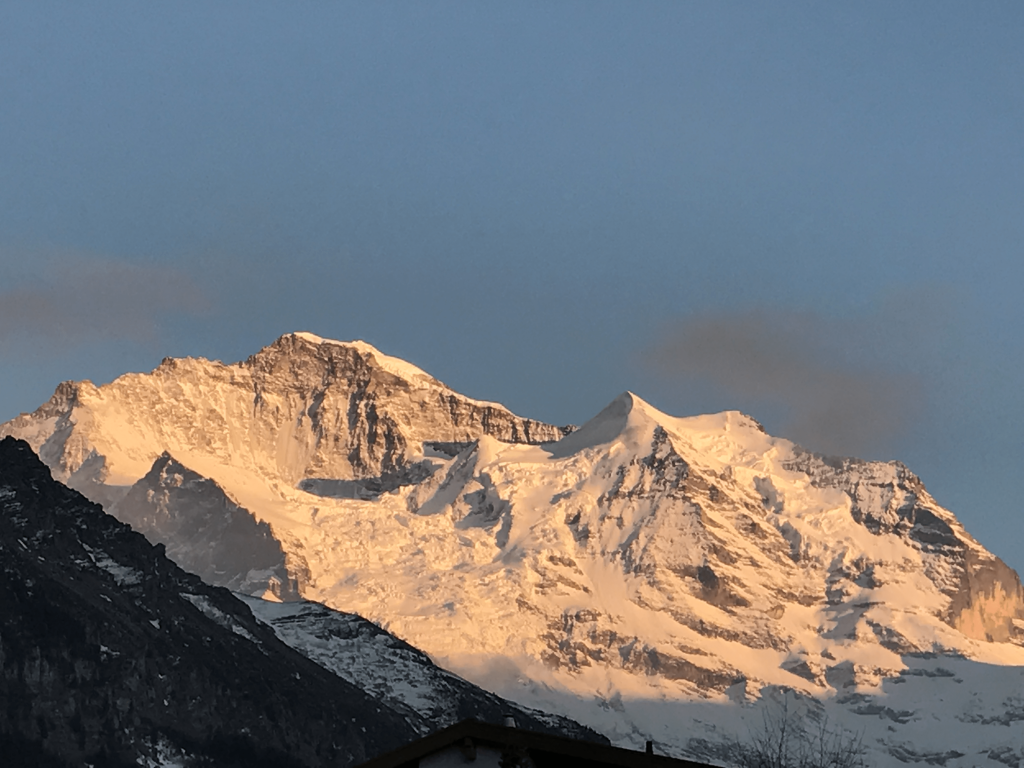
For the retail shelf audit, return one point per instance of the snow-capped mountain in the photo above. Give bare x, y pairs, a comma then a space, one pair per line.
301, 410
654, 577
110, 654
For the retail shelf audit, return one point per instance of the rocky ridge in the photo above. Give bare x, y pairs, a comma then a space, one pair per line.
302, 408
637, 573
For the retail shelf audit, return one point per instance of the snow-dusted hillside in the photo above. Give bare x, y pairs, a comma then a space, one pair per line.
652, 576
394, 672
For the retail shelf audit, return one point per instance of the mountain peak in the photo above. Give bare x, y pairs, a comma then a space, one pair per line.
18, 452
393, 365
302, 407
627, 412
643, 553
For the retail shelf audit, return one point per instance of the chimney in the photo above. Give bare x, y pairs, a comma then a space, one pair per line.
650, 747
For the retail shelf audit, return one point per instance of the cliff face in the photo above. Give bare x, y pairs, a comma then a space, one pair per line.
986, 600
359, 414
206, 533
302, 408
989, 605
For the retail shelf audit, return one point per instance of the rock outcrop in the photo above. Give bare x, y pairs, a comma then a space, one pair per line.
206, 533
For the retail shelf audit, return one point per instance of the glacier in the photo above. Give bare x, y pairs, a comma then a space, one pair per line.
653, 577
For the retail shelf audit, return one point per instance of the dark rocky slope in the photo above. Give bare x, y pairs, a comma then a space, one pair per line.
206, 533
111, 654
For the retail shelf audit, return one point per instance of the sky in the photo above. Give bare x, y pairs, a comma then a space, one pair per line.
810, 212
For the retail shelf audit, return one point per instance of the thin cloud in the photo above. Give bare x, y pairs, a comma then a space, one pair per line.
851, 386
67, 300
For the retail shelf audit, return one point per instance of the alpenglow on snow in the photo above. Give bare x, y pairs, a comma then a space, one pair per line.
653, 577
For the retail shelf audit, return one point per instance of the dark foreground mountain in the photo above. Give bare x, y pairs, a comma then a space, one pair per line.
113, 655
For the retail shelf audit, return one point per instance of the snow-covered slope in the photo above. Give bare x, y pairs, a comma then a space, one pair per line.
394, 672
206, 533
302, 409
641, 573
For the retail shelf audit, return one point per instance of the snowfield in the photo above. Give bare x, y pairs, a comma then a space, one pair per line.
650, 576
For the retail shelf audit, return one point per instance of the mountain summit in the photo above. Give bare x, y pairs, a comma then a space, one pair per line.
638, 573
302, 408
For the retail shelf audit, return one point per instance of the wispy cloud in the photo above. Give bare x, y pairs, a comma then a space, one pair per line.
70, 299
852, 385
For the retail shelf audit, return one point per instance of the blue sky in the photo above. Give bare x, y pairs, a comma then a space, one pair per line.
810, 212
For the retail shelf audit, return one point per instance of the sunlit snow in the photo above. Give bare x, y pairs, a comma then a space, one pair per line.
655, 577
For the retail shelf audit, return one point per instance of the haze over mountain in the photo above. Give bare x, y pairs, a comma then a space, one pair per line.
651, 576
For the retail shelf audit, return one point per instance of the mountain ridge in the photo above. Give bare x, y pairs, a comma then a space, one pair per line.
336, 406
640, 557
